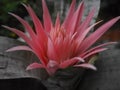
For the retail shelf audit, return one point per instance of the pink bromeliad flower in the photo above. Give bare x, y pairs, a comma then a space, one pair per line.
59, 46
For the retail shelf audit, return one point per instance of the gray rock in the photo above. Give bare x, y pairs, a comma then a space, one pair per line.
107, 75
13, 64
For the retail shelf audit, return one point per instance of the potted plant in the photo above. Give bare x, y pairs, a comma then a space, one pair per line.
62, 47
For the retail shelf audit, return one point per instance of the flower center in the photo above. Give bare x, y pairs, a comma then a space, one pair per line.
64, 43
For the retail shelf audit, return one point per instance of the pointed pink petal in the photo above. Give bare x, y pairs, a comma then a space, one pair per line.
35, 19
38, 26
85, 65
19, 48
34, 43
70, 62
57, 23
19, 33
70, 14
76, 19
86, 22
78, 58
46, 17
97, 34
51, 52
26, 25
84, 34
41, 39
94, 52
34, 66
97, 47
79, 13
67, 63
28, 28
40, 54
37, 49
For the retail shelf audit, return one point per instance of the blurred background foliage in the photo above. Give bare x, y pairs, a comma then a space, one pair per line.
10, 6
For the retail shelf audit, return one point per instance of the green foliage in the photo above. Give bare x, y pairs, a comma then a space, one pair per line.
5, 7
8, 6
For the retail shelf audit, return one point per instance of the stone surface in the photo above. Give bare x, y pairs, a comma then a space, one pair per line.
107, 75
13, 64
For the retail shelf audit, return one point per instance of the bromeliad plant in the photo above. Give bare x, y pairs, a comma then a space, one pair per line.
59, 46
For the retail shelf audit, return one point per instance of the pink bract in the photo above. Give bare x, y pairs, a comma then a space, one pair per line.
59, 46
